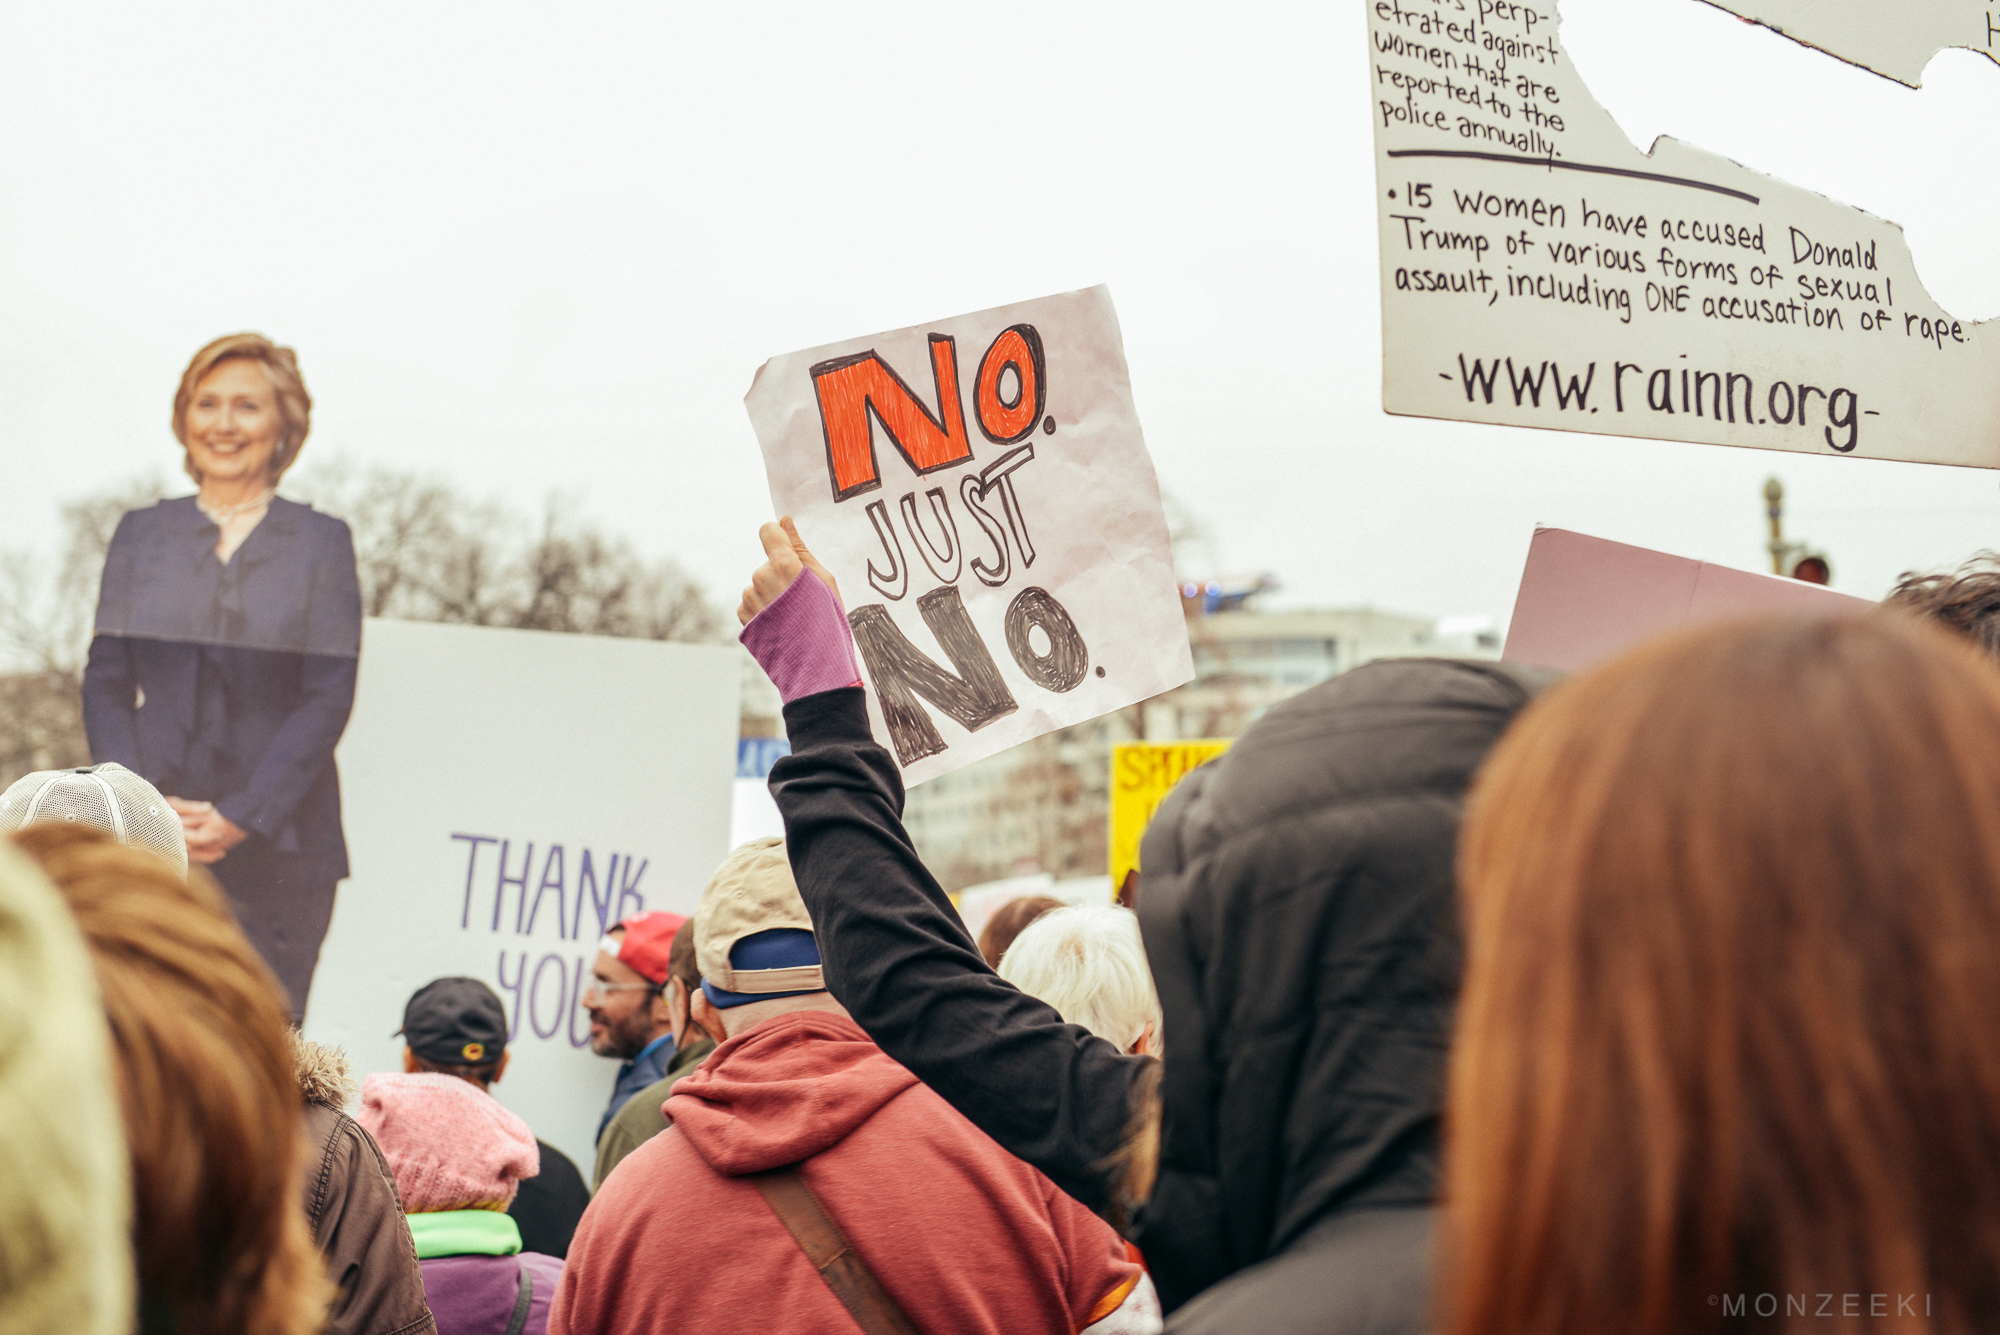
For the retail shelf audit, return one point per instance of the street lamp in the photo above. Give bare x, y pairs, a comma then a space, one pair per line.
1791, 558
1774, 506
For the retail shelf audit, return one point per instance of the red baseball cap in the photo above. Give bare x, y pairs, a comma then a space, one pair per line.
649, 938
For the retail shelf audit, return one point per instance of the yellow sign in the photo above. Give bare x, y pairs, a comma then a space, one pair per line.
1141, 774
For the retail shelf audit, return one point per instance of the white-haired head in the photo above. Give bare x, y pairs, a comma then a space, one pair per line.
1089, 963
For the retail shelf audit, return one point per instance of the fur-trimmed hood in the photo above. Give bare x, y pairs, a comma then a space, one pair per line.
351, 1203
326, 1077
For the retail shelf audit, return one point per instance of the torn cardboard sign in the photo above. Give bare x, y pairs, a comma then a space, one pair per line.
1896, 41
980, 489
1537, 270
1585, 599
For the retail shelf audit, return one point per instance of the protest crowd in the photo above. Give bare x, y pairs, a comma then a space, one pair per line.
1458, 996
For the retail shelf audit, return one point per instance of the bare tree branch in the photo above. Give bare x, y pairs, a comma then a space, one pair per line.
424, 552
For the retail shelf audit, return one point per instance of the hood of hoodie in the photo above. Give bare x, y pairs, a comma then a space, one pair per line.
1298, 909
783, 1091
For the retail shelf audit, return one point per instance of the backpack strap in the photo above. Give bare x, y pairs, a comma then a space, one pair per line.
830, 1253
521, 1303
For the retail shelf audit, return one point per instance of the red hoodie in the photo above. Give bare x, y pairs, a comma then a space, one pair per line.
965, 1237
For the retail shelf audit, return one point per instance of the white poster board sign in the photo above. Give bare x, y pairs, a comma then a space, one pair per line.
506, 795
980, 489
1894, 40
1537, 270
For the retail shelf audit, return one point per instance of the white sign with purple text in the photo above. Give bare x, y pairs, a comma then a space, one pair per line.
508, 794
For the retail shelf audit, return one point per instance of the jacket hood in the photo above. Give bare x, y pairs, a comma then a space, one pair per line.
325, 1076
1297, 902
783, 1091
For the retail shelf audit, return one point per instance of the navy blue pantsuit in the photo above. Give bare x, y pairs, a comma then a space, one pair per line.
231, 683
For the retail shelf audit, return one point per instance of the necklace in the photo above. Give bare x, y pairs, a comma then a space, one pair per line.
222, 514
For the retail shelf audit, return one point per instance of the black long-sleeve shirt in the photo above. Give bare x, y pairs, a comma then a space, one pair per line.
1300, 924
897, 955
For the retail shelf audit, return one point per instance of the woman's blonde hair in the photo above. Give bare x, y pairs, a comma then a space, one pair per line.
281, 365
205, 1075
66, 1198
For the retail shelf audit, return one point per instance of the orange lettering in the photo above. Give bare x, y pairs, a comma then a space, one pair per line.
1005, 421
853, 389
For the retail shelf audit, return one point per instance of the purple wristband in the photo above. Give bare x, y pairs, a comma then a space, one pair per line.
802, 641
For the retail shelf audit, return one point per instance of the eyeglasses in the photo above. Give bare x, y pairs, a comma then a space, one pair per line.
599, 986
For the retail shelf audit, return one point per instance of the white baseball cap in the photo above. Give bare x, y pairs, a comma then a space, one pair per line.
105, 797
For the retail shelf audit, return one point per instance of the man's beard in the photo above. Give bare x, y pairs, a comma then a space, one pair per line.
625, 1038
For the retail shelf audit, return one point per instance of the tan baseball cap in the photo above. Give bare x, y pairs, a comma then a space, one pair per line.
751, 892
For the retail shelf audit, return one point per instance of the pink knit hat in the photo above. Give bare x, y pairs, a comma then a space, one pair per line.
449, 1143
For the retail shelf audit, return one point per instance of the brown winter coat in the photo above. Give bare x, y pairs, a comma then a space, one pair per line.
356, 1216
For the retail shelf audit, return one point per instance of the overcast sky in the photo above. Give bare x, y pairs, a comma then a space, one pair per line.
534, 246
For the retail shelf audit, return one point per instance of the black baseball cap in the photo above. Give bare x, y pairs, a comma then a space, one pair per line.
455, 1022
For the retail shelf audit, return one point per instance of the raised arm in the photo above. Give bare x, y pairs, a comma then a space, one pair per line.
896, 953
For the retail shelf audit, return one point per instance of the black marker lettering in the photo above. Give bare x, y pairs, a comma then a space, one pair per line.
894, 582
944, 566
901, 672
1067, 659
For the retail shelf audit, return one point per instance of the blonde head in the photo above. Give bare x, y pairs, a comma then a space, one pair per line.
281, 365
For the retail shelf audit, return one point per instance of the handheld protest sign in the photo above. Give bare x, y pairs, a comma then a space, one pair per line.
1143, 773
980, 489
1895, 41
1584, 600
1537, 270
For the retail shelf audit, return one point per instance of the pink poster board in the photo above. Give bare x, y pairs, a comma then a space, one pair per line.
1586, 599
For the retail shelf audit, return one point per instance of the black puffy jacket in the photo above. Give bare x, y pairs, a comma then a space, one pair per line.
1298, 910
1296, 902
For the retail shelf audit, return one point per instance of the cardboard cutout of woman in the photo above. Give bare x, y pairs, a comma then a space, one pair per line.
227, 640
